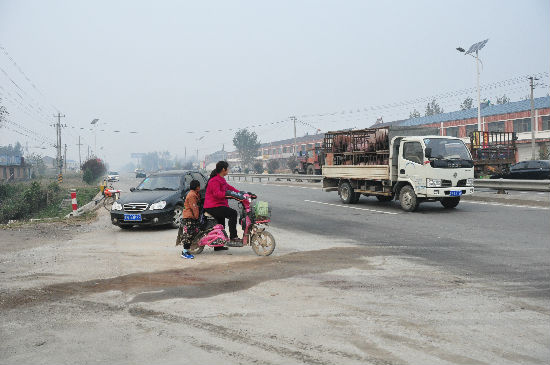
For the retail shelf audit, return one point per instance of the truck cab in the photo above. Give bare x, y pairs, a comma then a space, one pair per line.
430, 168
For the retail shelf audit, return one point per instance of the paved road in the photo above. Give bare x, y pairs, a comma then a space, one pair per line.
507, 244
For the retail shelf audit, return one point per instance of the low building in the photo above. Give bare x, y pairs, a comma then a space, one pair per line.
509, 117
14, 168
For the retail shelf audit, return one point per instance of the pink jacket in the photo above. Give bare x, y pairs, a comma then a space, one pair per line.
215, 192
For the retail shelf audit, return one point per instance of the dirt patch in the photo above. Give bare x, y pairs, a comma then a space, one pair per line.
197, 282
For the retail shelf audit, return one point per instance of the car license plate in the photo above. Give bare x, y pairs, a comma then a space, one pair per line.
455, 193
132, 217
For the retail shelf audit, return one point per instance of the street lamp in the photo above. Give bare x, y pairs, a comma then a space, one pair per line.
476, 47
94, 123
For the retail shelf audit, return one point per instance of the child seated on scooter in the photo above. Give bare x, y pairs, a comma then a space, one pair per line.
190, 226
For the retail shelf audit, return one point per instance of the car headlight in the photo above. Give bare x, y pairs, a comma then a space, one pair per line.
433, 183
116, 206
158, 205
469, 182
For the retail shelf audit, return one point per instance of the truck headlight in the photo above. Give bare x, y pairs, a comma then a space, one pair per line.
469, 182
116, 206
433, 183
158, 205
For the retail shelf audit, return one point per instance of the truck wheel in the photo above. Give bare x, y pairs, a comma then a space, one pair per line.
450, 203
347, 195
310, 170
407, 198
384, 198
356, 197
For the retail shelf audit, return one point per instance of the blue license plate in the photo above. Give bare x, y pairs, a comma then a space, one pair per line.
455, 193
132, 217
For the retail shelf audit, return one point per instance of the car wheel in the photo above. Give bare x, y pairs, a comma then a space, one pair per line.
177, 216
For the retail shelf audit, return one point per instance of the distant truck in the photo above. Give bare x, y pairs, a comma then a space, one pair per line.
493, 152
310, 162
411, 164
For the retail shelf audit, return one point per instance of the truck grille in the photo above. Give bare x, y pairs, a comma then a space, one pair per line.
135, 207
446, 183
461, 182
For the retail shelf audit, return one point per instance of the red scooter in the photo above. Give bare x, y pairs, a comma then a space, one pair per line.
254, 234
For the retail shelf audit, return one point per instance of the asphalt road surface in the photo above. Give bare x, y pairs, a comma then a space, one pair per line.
507, 244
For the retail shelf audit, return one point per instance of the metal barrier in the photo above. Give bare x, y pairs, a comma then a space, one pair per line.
275, 177
500, 184
511, 184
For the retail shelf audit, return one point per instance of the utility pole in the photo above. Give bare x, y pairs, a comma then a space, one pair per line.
293, 118
79, 156
533, 124
185, 154
65, 159
88, 153
58, 142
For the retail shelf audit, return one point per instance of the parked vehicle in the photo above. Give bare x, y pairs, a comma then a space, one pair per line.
527, 170
492, 152
157, 200
113, 176
310, 162
252, 221
413, 165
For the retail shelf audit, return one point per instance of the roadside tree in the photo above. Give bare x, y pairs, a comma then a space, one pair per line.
246, 142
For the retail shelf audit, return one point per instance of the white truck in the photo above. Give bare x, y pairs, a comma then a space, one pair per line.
413, 165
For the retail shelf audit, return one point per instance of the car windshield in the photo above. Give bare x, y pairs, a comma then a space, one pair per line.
113, 173
447, 149
160, 183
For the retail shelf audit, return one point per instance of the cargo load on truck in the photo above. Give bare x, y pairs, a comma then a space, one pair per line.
493, 152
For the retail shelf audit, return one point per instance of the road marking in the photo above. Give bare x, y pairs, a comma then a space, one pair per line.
506, 205
350, 207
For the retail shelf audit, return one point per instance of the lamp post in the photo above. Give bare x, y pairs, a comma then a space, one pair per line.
94, 123
476, 47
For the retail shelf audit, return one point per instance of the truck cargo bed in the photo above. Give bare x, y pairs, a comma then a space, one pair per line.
365, 172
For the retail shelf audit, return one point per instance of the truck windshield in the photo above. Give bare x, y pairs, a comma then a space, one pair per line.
447, 149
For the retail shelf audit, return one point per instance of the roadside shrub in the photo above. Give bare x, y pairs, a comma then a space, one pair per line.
93, 169
258, 167
88, 176
272, 166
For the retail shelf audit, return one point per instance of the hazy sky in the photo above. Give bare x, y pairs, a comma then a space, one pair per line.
165, 68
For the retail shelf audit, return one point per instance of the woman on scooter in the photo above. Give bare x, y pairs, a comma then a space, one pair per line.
215, 202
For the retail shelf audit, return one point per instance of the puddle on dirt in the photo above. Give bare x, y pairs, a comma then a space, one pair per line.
199, 282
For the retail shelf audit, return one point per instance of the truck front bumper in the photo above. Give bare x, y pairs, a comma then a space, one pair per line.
446, 192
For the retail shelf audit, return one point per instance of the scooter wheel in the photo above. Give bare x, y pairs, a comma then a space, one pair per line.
195, 249
263, 243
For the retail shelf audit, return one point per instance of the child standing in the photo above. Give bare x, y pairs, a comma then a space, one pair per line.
190, 225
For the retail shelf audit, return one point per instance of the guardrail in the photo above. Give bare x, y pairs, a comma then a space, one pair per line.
275, 177
511, 184
499, 184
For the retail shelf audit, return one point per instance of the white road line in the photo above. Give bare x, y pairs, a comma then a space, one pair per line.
350, 207
506, 205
